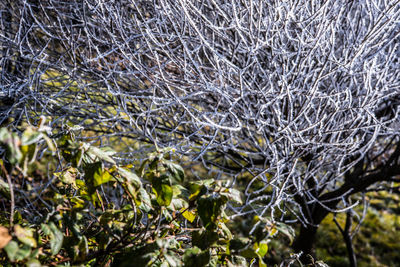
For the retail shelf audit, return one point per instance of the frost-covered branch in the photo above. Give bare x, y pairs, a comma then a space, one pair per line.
295, 93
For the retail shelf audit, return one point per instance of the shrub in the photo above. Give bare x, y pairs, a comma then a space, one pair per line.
85, 208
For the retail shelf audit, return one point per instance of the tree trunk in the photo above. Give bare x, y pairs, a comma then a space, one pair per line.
304, 243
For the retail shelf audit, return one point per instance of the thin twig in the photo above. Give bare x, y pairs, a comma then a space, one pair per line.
10, 185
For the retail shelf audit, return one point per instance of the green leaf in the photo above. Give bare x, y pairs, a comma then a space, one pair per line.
180, 191
237, 261
29, 136
195, 257
56, 237
176, 170
261, 263
29, 152
130, 177
153, 161
232, 194
239, 243
145, 201
17, 217
197, 189
12, 144
83, 247
4, 134
73, 155
167, 215
105, 177
11, 250
50, 143
56, 240
131, 190
180, 196
25, 235
249, 253
67, 176
225, 230
35, 253
81, 250
72, 223
163, 190
46, 229
103, 239
106, 218
178, 203
102, 153
33, 263
73, 152
77, 203
286, 230
4, 189
95, 175
209, 209
261, 248
204, 239
163, 194
23, 252
172, 260
142, 166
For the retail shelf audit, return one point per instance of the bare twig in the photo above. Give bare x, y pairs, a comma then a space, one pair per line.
11, 187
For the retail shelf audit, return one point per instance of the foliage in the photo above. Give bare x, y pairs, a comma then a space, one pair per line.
96, 212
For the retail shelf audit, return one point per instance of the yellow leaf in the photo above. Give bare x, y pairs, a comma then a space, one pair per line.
188, 215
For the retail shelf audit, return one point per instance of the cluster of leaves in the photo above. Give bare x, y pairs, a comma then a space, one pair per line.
93, 211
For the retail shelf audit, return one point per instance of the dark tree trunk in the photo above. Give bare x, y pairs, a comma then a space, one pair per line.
304, 243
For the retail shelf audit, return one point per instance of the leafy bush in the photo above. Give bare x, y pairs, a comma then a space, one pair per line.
69, 202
